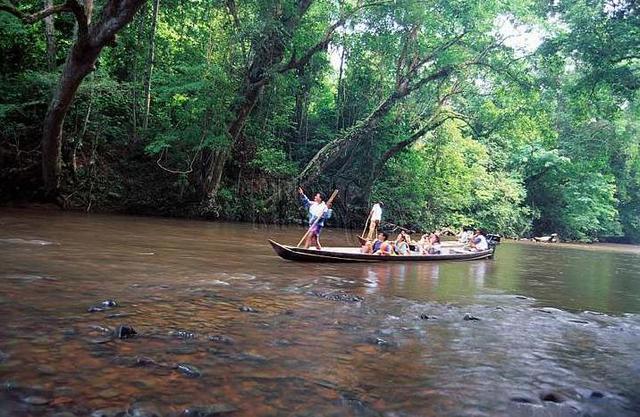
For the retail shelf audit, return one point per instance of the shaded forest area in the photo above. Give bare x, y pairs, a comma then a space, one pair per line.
521, 118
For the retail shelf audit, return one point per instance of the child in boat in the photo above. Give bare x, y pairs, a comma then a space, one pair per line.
402, 247
372, 247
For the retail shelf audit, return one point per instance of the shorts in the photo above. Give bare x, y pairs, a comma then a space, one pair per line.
315, 230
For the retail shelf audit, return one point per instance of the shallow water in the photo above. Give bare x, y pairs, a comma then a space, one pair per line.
222, 322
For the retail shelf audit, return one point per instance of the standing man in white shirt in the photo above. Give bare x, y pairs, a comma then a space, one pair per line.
319, 211
376, 217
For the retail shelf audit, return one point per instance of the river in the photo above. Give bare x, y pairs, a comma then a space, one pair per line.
225, 327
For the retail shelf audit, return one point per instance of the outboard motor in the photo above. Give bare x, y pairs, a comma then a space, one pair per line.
493, 241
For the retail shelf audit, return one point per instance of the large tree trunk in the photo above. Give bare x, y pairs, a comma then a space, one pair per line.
80, 62
150, 64
50, 36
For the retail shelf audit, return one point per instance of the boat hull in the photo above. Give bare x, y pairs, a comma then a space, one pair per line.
293, 253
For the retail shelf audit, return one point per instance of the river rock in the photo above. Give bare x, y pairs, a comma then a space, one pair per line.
117, 315
108, 393
109, 412
145, 361
143, 410
337, 296
188, 370
125, 332
247, 309
221, 339
208, 410
35, 400
183, 334
553, 397
101, 329
578, 321
469, 317
104, 305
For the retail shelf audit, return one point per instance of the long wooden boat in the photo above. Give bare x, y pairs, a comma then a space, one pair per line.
340, 254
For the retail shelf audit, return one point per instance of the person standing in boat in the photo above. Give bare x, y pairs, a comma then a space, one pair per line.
319, 211
376, 217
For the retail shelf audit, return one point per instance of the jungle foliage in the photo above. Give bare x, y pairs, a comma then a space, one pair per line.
519, 117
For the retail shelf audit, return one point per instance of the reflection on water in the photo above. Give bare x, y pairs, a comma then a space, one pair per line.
223, 323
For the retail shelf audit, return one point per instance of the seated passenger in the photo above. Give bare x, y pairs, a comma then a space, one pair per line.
402, 247
434, 244
386, 249
372, 247
465, 235
423, 244
478, 241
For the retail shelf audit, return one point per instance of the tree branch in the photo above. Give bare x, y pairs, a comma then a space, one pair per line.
326, 38
81, 17
34, 17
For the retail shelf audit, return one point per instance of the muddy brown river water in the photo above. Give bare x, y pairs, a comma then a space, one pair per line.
226, 328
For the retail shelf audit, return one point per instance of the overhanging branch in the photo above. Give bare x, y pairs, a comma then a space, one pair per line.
10, 8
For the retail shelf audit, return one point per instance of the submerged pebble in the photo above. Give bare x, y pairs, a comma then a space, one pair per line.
35, 400
188, 370
183, 334
208, 410
125, 332
553, 397
109, 412
221, 339
337, 296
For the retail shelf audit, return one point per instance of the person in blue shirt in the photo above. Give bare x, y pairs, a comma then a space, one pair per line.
319, 212
373, 247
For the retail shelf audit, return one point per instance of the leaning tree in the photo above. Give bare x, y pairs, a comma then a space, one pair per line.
91, 38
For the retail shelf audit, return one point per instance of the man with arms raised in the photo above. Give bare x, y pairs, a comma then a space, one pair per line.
319, 211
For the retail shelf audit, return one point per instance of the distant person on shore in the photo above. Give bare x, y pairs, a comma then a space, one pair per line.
478, 241
376, 217
372, 247
319, 211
